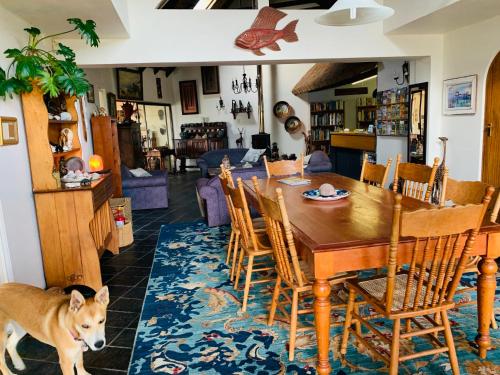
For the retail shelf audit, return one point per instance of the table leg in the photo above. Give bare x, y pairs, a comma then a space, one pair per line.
321, 290
485, 299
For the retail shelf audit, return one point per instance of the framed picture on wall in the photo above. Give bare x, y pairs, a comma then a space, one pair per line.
459, 95
189, 97
111, 104
210, 80
91, 94
129, 82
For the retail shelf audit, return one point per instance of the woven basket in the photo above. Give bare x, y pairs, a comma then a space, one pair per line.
126, 233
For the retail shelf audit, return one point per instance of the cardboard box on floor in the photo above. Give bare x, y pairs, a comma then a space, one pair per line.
126, 233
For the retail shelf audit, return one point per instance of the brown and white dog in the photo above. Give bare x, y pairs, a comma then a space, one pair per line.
70, 323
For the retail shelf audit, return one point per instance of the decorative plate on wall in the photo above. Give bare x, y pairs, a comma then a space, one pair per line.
282, 109
293, 124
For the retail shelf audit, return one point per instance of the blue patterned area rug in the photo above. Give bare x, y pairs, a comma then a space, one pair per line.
191, 323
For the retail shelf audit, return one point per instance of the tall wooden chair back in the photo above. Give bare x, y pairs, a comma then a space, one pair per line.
418, 179
374, 174
242, 213
280, 234
224, 181
285, 167
446, 237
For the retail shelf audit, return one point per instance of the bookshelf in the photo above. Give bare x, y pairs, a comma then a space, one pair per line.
392, 112
366, 112
326, 118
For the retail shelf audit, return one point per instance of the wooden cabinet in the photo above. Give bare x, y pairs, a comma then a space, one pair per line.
105, 139
75, 225
129, 141
200, 138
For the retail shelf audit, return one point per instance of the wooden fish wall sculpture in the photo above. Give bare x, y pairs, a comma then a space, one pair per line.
263, 32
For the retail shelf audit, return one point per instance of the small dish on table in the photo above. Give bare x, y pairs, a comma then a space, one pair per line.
315, 195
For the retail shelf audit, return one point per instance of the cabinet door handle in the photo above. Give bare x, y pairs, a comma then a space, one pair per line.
488, 128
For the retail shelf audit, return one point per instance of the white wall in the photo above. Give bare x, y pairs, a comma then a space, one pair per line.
469, 50
15, 183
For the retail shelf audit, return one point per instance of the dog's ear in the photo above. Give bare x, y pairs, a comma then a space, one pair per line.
102, 296
77, 301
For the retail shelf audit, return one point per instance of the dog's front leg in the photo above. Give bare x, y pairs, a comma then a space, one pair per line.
67, 363
80, 370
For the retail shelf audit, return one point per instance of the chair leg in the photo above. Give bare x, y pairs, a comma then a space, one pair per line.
274, 302
248, 280
357, 325
347, 322
235, 255
450, 343
394, 363
230, 246
293, 325
494, 324
238, 270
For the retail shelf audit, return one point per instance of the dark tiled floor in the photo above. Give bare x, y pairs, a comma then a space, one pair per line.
126, 276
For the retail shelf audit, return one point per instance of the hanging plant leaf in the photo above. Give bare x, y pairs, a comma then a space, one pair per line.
86, 30
13, 53
66, 52
11, 86
74, 82
28, 66
47, 83
33, 31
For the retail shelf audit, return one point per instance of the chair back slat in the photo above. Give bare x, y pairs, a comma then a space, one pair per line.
285, 167
418, 179
224, 181
448, 235
374, 174
242, 213
280, 233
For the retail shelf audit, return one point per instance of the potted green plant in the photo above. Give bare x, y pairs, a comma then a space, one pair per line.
53, 72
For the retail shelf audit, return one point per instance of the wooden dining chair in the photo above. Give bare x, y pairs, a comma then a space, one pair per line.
293, 283
285, 167
254, 244
374, 174
234, 237
418, 179
444, 239
470, 192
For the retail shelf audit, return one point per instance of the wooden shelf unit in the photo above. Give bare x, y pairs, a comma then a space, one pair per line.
326, 118
75, 225
393, 112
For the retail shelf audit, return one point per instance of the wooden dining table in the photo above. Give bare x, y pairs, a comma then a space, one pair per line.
352, 234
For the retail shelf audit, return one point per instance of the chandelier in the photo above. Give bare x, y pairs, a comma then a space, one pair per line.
245, 86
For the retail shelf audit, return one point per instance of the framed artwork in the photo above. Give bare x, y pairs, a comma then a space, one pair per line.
9, 134
210, 80
159, 93
459, 95
129, 82
91, 94
111, 104
189, 97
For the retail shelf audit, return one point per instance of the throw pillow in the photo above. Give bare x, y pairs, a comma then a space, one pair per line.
139, 172
252, 155
307, 158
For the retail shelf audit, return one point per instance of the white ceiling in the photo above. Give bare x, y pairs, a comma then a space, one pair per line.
450, 17
50, 15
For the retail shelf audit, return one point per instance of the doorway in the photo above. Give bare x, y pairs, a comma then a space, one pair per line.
491, 140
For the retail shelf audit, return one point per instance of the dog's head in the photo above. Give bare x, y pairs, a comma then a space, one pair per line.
89, 318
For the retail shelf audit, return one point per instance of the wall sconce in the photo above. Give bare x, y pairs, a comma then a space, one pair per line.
221, 105
95, 163
406, 74
240, 108
9, 134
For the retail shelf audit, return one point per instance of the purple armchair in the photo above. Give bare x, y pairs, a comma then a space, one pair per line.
146, 192
211, 197
319, 162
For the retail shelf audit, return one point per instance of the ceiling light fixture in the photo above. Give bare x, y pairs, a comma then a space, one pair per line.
354, 12
364, 80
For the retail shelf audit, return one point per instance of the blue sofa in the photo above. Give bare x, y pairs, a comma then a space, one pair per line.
211, 197
146, 192
213, 159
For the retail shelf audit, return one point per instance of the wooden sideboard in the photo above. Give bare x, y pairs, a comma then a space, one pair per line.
76, 226
196, 139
